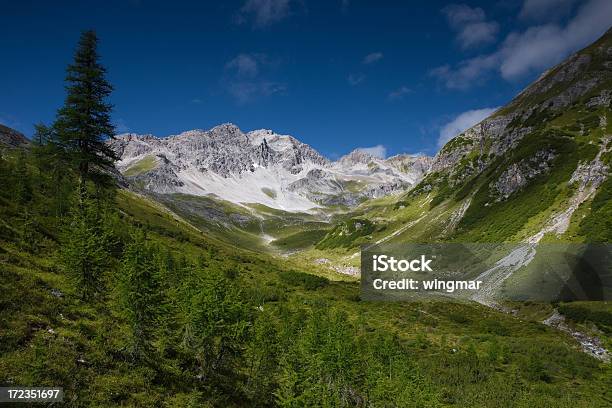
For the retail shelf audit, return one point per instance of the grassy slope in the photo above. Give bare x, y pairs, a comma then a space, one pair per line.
468, 354
142, 166
254, 226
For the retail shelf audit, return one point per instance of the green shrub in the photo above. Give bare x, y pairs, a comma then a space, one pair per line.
305, 280
599, 313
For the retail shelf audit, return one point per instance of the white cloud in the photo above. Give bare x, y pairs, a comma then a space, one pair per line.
462, 122
543, 46
246, 65
373, 57
467, 72
355, 79
471, 25
545, 9
245, 77
535, 49
379, 151
461, 14
477, 34
264, 12
246, 91
399, 93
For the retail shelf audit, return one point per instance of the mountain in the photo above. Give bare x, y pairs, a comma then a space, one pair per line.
551, 142
174, 317
12, 138
260, 167
536, 171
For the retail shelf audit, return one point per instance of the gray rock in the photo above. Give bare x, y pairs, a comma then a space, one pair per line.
518, 175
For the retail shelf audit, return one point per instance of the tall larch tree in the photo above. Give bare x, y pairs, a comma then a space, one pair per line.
83, 124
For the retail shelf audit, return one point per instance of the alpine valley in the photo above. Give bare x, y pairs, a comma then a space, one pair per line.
536, 169
221, 267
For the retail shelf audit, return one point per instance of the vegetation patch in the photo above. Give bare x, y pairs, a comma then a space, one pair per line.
597, 224
305, 280
599, 313
300, 240
143, 165
347, 234
269, 192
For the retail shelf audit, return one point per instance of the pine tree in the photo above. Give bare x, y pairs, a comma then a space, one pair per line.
141, 293
51, 162
84, 253
216, 320
29, 236
83, 124
22, 183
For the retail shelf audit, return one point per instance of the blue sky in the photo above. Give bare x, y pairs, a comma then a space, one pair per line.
396, 75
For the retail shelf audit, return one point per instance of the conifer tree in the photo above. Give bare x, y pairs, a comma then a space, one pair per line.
21, 180
83, 124
51, 164
140, 293
84, 252
217, 320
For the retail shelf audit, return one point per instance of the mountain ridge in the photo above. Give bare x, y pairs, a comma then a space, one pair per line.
12, 138
260, 166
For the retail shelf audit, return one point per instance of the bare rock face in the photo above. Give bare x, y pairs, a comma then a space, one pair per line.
382, 190
418, 165
163, 179
603, 99
519, 174
595, 172
262, 167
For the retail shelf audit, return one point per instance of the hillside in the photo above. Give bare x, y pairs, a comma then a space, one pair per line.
288, 339
524, 171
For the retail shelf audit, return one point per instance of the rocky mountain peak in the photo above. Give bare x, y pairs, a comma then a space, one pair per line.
225, 128
357, 156
259, 166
